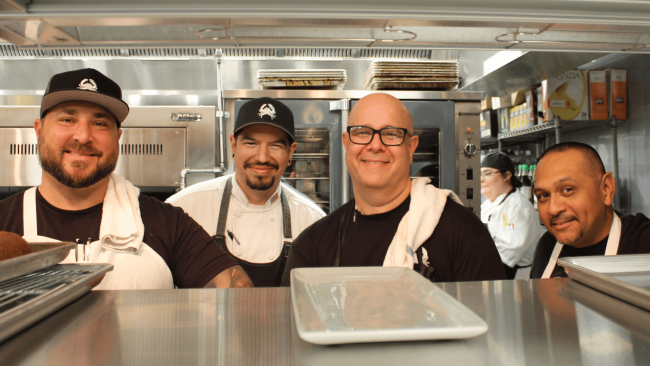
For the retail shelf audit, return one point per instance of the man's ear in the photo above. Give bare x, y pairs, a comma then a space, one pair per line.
233, 144
292, 149
608, 188
38, 126
345, 139
415, 141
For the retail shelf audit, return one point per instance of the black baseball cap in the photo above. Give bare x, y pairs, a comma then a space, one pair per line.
267, 111
503, 163
86, 85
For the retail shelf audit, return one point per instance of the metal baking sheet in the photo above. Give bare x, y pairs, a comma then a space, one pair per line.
626, 277
376, 304
32, 297
43, 255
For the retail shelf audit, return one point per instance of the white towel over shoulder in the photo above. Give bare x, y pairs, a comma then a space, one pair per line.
427, 204
122, 228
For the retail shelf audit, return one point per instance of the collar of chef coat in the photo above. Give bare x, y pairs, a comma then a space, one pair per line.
241, 198
500, 198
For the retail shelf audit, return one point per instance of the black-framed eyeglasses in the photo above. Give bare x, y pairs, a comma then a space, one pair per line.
389, 136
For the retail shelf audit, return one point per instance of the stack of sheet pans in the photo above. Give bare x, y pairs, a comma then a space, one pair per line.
33, 286
424, 75
301, 79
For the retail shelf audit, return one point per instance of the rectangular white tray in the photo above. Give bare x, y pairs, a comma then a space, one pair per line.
626, 277
376, 304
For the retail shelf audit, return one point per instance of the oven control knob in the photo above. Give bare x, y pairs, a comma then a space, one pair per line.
469, 149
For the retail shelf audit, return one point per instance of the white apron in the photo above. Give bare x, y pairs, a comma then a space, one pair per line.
144, 269
611, 249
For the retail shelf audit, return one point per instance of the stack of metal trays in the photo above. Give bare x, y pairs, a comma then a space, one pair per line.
626, 277
424, 75
33, 286
301, 79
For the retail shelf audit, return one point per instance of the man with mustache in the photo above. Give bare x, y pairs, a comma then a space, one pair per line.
251, 214
394, 221
574, 196
151, 245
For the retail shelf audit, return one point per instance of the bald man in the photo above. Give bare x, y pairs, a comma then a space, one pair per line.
395, 221
574, 196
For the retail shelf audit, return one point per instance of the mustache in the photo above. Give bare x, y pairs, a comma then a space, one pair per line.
562, 218
86, 148
268, 164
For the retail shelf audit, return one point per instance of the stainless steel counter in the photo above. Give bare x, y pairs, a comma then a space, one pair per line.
539, 322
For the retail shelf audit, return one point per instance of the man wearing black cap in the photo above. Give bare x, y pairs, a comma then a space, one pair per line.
509, 216
250, 213
151, 245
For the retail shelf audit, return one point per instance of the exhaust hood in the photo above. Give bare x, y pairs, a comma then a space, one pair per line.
122, 26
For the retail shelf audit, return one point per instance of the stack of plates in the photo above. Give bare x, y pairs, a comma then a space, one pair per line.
428, 75
301, 79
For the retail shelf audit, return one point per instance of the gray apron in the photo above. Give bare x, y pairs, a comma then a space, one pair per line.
262, 274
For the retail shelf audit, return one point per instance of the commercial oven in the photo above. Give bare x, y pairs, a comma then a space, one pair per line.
447, 123
158, 144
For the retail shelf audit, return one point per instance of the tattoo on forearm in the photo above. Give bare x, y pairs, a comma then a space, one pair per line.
231, 277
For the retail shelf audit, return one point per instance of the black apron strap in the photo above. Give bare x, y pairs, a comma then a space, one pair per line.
223, 210
343, 230
286, 229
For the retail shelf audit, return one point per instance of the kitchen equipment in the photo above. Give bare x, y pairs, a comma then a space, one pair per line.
301, 78
43, 255
426, 75
157, 143
626, 277
376, 304
28, 298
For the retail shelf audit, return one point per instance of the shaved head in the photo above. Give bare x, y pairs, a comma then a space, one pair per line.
380, 101
592, 164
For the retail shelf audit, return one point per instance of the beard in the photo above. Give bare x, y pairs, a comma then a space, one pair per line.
260, 183
567, 240
51, 161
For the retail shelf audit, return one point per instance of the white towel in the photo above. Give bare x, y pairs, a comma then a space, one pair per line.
121, 229
427, 204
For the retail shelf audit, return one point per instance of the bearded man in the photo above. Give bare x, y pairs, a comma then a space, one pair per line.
251, 214
151, 245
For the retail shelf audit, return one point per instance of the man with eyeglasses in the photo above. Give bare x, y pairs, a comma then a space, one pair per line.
393, 221
508, 215
575, 195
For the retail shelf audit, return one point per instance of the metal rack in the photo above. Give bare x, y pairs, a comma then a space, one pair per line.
557, 126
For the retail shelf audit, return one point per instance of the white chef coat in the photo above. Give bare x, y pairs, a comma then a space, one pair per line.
514, 226
258, 229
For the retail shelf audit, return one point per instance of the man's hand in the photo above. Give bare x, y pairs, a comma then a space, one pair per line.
231, 277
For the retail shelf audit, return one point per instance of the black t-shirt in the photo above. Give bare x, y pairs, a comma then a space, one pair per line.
635, 239
190, 253
460, 248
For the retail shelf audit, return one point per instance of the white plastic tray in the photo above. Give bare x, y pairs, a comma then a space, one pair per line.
376, 304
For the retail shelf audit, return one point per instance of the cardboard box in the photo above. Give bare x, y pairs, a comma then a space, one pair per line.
486, 104
504, 120
542, 96
617, 93
568, 97
489, 123
598, 106
531, 108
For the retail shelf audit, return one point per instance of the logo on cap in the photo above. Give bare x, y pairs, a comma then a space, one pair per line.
267, 110
88, 84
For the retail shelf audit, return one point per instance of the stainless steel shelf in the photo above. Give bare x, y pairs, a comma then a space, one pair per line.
304, 156
550, 126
